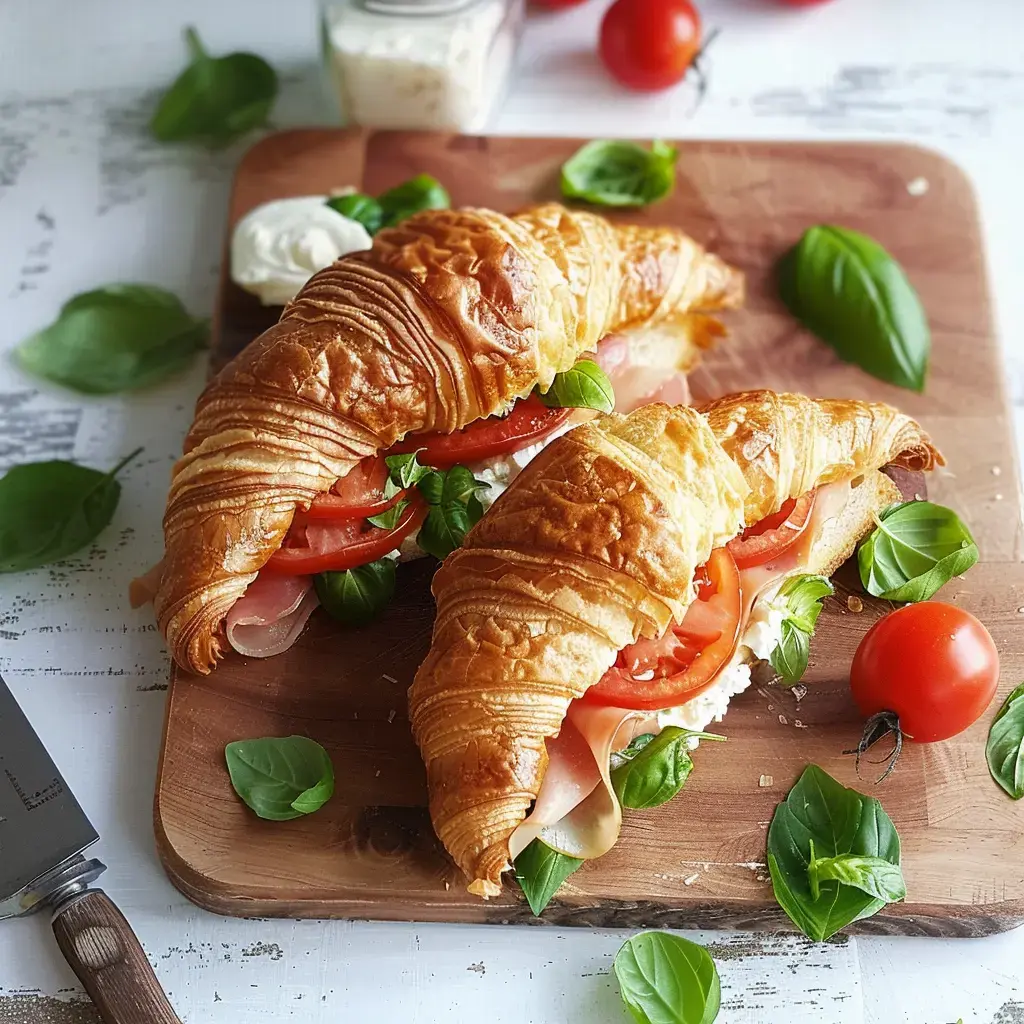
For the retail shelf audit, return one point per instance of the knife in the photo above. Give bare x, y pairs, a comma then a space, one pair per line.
43, 836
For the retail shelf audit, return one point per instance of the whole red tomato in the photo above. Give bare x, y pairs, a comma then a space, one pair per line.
650, 44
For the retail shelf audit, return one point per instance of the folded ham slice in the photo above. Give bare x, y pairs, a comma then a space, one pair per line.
268, 618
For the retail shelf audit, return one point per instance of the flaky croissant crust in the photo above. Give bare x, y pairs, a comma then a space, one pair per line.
447, 318
593, 545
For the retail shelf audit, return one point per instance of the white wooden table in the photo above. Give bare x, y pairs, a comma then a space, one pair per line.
87, 198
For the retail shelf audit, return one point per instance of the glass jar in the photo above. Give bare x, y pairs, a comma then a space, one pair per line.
430, 64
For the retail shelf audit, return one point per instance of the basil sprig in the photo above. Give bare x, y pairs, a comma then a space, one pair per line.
280, 777
454, 509
404, 471
916, 548
848, 830
800, 599
357, 596
215, 99
666, 979
540, 871
115, 338
849, 291
652, 769
49, 510
615, 173
1004, 750
359, 207
583, 386
393, 206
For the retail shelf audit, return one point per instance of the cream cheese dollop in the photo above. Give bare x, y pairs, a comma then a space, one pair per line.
277, 247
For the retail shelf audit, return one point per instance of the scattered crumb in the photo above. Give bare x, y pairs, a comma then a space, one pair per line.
918, 187
477, 968
390, 679
996, 471
854, 603
799, 692
391, 715
783, 720
999, 497
765, 781
692, 878
799, 724
376, 774
771, 707
1020, 611
447, 885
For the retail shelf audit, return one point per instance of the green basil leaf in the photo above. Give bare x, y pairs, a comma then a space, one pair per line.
431, 486
444, 530
1004, 750
404, 471
849, 291
585, 386
454, 508
916, 548
388, 519
839, 821
872, 875
49, 510
655, 771
460, 486
359, 207
636, 744
789, 659
800, 599
357, 596
615, 173
420, 193
117, 338
215, 99
280, 777
666, 979
540, 871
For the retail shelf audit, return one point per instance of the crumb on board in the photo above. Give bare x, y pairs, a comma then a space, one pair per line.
391, 715
999, 497
390, 679
1020, 611
799, 691
918, 186
783, 720
692, 878
376, 774
765, 781
854, 603
799, 724
997, 471
447, 885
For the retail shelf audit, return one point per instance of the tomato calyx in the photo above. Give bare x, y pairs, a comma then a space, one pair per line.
878, 727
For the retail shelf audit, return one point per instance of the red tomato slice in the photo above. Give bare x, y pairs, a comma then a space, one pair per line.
528, 422
686, 660
775, 534
357, 495
313, 546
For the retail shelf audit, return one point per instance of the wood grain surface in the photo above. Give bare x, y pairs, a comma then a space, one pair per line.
699, 860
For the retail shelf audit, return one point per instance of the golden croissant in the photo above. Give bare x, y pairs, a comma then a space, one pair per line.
448, 318
592, 554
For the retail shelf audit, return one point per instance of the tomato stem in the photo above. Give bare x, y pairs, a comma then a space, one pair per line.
878, 727
695, 64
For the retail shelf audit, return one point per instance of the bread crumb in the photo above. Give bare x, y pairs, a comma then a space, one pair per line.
999, 497
447, 885
765, 781
918, 187
799, 724
854, 603
996, 471
783, 720
799, 692
391, 715
390, 679
376, 774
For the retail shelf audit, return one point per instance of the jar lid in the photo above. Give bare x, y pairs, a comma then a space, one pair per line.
415, 8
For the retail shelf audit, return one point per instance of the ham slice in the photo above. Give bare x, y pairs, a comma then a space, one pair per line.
268, 618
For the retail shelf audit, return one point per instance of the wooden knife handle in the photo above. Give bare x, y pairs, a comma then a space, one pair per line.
103, 951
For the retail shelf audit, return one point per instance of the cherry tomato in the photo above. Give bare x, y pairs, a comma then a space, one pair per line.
685, 661
932, 664
357, 495
529, 421
774, 534
650, 44
318, 546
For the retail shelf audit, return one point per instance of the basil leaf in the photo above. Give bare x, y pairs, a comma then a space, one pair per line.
404, 471
460, 485
388, 519
454, 508
636, 744
655, 771
116, 338
540, 871
357, 596
49, 510
800, 599
916, 548
839, 821
585, 386
280, 777
215, 99
666, 979
872, 875
1004, 750
615, 173
420, 193
849, 291
359, 207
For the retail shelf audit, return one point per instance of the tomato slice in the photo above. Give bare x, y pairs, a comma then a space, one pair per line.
687, 659
774, 534
318, 546
528, 422
357, 495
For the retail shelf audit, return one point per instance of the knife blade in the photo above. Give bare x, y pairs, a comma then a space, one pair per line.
43, 835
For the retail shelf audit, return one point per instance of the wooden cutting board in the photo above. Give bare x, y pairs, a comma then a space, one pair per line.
699, 860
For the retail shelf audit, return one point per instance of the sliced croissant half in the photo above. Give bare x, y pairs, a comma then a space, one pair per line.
593, 553
451, 317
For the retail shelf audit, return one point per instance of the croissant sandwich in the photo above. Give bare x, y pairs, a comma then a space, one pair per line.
623, 583
457, 336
